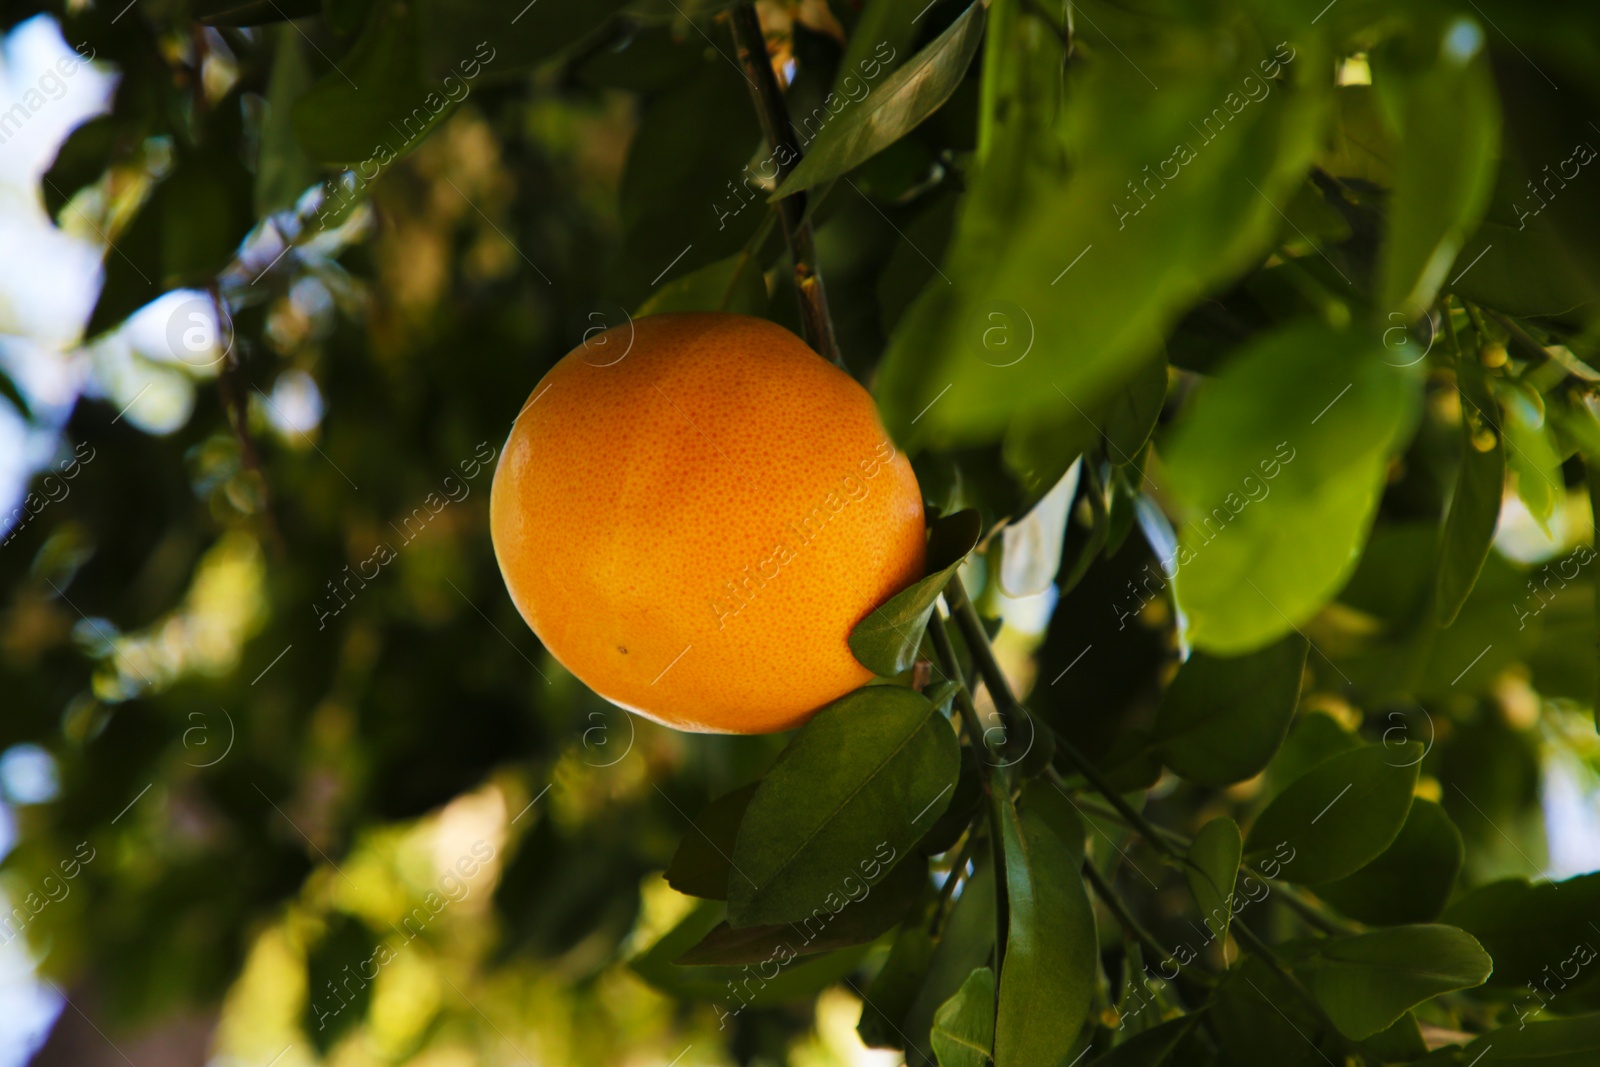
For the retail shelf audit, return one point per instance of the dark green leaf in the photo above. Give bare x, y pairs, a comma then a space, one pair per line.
963, 1027
284, 172
1222, 720
734, 285
1571, 1042
893, 109
965, 945
731, 989
82, 158
1213, 868
1475, 506
688, 198
1368, 981
336, 1002
889, 997
700, 866
252, 12
518, 36
1533, 931
187, 229
1159, 1046
376, 106
862, 915
1340, 815
886, 641
851, 794
1048, 973
1411, 880
1042, 799
1261, 1021
957, 816
1402, 1042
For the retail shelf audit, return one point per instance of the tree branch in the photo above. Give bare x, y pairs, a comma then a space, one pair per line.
815, 323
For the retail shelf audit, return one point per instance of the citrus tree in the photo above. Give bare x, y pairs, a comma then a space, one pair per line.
1236, 360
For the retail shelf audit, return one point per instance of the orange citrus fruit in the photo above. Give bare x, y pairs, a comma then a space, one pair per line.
694, 510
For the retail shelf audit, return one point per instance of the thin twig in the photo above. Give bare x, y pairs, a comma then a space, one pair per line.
815, 322
1305, 908
1520, 339
969, 718
1125, 918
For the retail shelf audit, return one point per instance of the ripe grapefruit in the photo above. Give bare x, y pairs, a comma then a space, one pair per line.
694, 510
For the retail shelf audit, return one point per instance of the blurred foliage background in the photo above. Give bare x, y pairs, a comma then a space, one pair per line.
278, 275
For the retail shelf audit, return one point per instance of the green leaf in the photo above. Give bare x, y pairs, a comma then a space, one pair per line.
1571, 1042
252, 12
1402, 1042
1144, 258
1367, 982
700, 866
1213, 867
1361, 143
1531, 930
864, 913
964, 801
284, 172
1278, 464
1158, 1046
1222, 720
965, 945
1261, 1021
889, 997
963, 1027
333, 1006
187, 229
895, 108
518, 36
1475, 505
1042, 799
734, 285
729, 988
1340, 815
1535, 458
82, 158
1047, 976
886, 641
1448, 150
851, 794
375, 106
687, 196
1413, 878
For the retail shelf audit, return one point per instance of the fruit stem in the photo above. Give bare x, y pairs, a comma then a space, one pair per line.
815, 323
